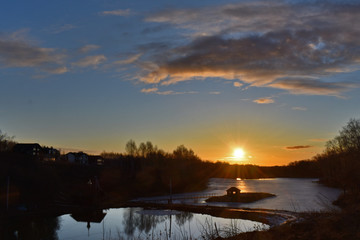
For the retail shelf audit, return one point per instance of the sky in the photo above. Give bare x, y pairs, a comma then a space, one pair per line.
275, 78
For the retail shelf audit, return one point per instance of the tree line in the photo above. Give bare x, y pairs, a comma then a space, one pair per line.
145, 169
340, 162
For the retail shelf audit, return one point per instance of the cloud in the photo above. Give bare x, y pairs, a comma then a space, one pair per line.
129, 60
313, 86
264, 100
17, 51
63, 28
283, 45
90, 61
299, 108
59, 70
149, 90
298, 147
237, 84
215, 93
118, 12
169, 92
88, 48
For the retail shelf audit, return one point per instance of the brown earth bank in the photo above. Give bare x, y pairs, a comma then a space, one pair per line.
314, 226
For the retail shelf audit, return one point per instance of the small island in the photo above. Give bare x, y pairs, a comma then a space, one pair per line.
233, 195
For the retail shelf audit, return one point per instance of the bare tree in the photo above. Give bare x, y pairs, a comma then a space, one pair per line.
131, 148
6, 142
348, 139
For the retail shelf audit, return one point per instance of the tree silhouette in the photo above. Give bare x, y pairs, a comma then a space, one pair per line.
131, 148
6, 142
340, 162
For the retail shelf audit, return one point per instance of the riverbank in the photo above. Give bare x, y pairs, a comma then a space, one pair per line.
267, 216
331, 225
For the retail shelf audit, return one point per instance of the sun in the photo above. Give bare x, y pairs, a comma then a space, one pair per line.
239, 153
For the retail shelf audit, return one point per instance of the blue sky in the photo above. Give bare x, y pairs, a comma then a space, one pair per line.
277, 78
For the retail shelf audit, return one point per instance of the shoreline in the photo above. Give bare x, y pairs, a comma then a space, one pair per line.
267, 216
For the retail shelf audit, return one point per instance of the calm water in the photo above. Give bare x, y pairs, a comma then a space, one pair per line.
293, 194
136, 223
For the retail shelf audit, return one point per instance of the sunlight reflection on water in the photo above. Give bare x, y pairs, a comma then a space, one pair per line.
292, 194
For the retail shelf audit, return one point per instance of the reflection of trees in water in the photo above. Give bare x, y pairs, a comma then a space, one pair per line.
183, 217
31, 229
145, 223
129, 221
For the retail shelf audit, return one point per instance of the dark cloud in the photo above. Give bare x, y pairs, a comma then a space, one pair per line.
298, 147
269, 43
17, 52
155, 29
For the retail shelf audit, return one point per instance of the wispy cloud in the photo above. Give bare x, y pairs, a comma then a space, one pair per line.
264, 100
63, 28
298, 147
90, 61
17, 51
129, 60
215, 93
299, 108
169, 92
118, 12
88, 48
149, 90
262, 43
314, 86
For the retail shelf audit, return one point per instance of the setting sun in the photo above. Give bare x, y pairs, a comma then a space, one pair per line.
239, 153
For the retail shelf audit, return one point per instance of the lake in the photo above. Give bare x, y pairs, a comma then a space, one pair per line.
292, 194
136, 223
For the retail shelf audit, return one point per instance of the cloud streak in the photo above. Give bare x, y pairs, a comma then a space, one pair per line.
88, 48
263, 43
118, 12
169, 92
264, 101
298, 147
90, 61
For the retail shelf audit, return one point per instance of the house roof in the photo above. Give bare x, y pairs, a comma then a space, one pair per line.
23, 147
233, 189
76, 153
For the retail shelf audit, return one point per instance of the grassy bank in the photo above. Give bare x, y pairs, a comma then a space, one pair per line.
315, 226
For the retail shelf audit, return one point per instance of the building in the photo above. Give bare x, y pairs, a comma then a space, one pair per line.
233, 191
79, 157
50, 154
96, 160
30, 149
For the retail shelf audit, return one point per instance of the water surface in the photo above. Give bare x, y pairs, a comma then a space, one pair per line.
137, 223
292, 194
